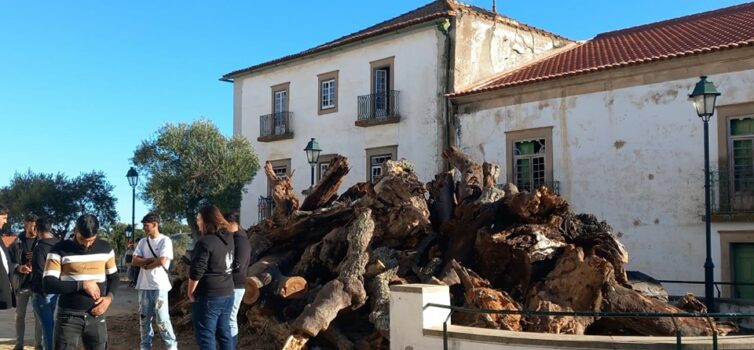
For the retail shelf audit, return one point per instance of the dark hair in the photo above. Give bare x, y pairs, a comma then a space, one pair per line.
151, 217
43, 226
213, 219
31, 218
3, 210
87, 225
232, 217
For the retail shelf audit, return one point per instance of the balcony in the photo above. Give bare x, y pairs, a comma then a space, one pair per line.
265, 206
275, 126
377, 109
732, 197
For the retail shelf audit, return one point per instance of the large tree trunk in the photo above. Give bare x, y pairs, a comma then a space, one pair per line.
347, 290
471, 171
326, 189
286, 201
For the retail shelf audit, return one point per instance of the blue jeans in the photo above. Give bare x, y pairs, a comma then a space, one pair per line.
44, 308
154, 304
211, 316
237, 297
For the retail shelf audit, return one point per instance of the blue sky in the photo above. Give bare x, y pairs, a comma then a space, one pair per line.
82, 83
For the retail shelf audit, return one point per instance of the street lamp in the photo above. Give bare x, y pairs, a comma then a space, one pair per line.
704, 97
312, 154
133, 180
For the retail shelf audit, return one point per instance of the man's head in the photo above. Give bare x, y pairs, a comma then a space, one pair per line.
86, 230
3, 216
30, 222
232, 218
151, 224
43, 228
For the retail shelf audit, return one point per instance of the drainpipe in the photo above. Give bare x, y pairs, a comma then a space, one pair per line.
444, 28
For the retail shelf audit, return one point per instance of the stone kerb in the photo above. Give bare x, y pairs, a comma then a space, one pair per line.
414, 327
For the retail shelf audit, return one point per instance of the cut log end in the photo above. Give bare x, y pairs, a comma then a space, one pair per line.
292, 287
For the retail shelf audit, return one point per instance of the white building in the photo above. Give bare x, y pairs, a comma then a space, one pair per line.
376, 94
609, 121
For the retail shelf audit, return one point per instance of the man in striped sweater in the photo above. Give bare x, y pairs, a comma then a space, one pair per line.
82, 271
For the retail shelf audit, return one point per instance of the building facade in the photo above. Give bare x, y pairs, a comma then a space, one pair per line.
374, 95
609, 123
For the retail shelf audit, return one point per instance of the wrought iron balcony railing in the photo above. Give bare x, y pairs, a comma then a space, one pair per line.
731, 194
275, 124
265, 206
378, 106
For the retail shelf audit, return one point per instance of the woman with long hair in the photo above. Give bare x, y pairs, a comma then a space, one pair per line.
211, 285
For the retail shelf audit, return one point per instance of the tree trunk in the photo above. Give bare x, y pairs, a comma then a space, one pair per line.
326, 189
471, 171
347, 290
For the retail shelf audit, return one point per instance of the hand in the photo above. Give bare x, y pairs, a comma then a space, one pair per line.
24, 269
91, 288
101, 305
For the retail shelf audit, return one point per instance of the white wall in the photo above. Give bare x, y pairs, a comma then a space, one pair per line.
416, 53
631, 156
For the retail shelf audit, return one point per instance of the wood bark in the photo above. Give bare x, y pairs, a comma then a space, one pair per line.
347, 290
490, 173
480, 294
441, 198
286, 201
471, 171
326, 189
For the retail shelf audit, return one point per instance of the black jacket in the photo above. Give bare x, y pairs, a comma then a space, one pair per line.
241, 257
18, 254
39, 258
7, 297
212, 264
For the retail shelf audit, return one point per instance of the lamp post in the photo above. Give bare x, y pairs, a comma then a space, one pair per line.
133, 180
704, 97
312, 154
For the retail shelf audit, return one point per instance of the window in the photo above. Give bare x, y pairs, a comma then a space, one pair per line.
741, 155
280, 103
733, 182
324, 162
328, 93
737, 262
529, 163
376, 157
280, 167
529, 158
382, 84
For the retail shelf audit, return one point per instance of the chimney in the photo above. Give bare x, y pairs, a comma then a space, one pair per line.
494, 7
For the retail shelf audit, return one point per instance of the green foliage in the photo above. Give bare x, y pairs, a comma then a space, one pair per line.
58, 198
187, 165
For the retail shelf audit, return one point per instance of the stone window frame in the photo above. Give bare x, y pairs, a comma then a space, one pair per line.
728, 238
528, 134
724, 114
277, 88
324, 159
277, 163
323, 78
376, 151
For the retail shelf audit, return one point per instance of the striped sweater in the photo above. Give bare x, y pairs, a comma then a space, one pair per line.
68, 265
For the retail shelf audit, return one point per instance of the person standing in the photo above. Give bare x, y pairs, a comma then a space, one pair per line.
153, 254
83, 271
210, 286
241, 257
7, 299
43, 303
21, 254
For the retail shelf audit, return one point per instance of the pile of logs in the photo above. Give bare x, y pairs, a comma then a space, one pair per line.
322, 267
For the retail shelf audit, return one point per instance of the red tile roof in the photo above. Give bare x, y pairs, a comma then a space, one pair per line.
432, 11
716, 30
